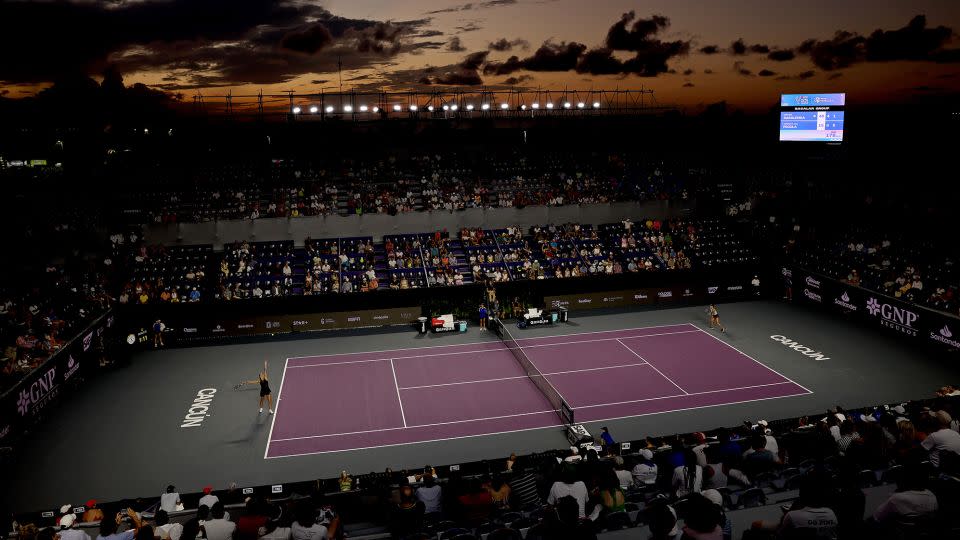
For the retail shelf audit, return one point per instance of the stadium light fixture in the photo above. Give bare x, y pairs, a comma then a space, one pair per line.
485, 106
523, 107
535, 105
470, 106
581, 105
454, 107
376, 109
296, 110
329, 109
313, 109
446, 107
413, 108
430, 108
504, 106
596, 104
363, 108
397, 108
549, 104
348, 108
566, 105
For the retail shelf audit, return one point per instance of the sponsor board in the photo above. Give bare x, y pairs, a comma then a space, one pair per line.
898, 318
802, 349
812, 282
72, 367
812, 296
945, 335
844, 301
39, 393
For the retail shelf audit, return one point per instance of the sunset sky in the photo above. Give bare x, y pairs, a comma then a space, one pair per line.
690, 53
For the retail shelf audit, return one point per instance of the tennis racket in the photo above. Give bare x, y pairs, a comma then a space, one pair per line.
239, 386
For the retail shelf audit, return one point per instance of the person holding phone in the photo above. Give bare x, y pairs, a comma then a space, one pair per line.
265, 393
108, 527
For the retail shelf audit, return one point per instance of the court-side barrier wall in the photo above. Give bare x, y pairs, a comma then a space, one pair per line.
190, 323
63, 372
911, 321
297, 229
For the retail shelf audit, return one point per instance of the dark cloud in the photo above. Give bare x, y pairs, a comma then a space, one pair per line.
473, 61
518, 80
464, 78
651, 54
688, 85
214, 42
428, 33
915, 41
781, 55
474, 5
468, 27
549, 57
710, 49
802, 76
740, 48
503, 44
319, 81
766, 73
309, 39
738, 67
454, 45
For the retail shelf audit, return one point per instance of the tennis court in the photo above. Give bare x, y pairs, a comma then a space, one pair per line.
353, 401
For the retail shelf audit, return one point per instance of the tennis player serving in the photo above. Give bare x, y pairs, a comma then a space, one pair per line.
265, 393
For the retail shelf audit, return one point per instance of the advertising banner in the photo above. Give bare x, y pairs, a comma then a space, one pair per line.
63, 371
892, 314
306, 322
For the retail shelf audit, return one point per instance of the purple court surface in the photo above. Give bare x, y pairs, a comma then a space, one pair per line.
362, 400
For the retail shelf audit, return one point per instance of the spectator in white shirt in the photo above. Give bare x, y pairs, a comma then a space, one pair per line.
219, 528
68, 529
645, 472
810, 517
623, 475
942, 440
306, 527
568, 485
164, 529
430, 495
687, 478
912, 504
208, 498
170, 500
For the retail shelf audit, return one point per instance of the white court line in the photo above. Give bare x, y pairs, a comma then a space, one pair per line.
754, 359
276, 410
682, 395
482, 342
501, 349
598, 420
521, 376
653, 366
399, 399
451, 422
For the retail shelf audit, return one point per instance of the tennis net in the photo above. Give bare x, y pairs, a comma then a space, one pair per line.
541, 382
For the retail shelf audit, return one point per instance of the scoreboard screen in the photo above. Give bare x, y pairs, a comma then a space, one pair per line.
812, 117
